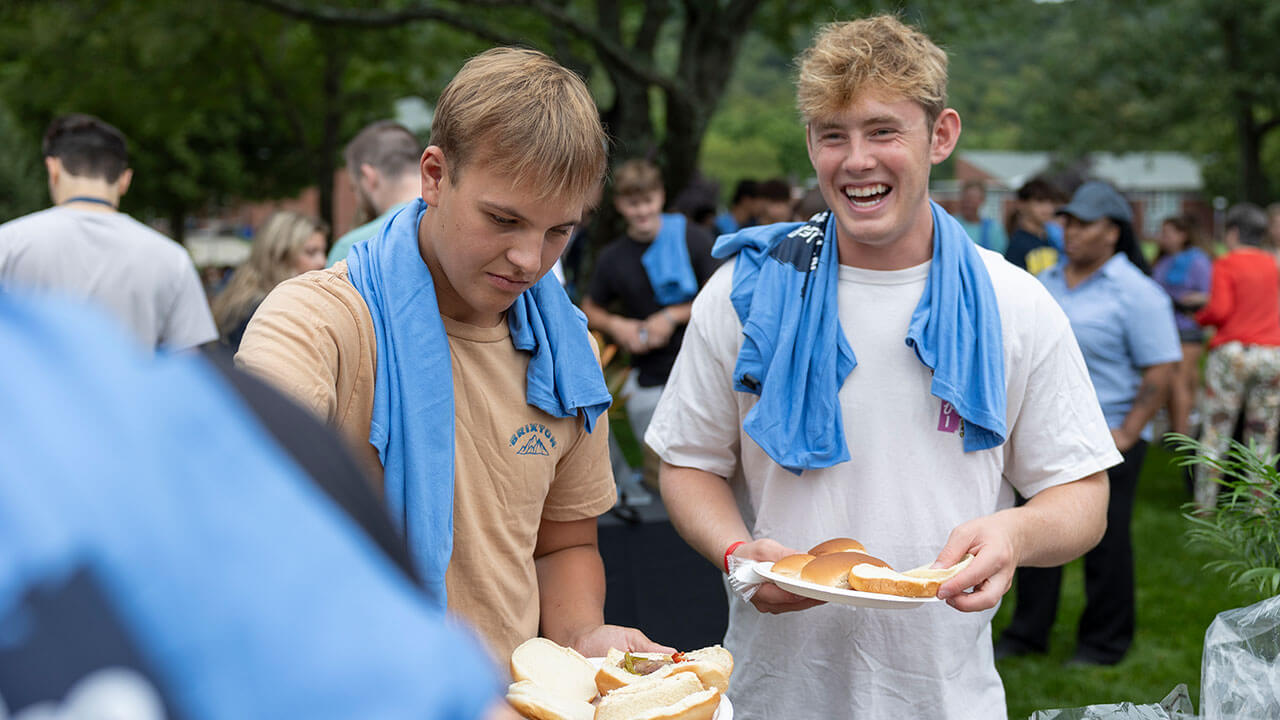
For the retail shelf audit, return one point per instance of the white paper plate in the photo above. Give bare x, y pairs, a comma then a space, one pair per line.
856, 598
724, 712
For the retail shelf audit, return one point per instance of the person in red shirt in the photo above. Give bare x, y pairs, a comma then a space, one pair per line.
1243, 366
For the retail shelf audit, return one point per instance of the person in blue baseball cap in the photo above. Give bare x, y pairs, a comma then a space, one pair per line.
1124, 324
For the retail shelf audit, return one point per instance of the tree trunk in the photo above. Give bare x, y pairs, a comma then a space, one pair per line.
1253, 183
708, 52
334, 64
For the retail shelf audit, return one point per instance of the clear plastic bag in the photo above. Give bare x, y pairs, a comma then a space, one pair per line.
1175, 706
1240, 673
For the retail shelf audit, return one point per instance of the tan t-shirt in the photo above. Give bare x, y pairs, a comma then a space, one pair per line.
514, 465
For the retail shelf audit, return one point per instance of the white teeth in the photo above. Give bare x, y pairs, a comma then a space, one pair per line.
868, 191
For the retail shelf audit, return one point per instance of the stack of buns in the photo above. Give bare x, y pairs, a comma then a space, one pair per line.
844, 563
557, 683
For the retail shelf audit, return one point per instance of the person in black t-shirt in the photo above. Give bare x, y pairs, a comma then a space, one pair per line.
1030, 246
621, 300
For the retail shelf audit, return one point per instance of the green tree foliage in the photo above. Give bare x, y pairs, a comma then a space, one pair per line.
220, 101
22, 178
1197, 76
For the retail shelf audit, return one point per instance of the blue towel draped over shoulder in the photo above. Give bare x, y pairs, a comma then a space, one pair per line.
413, 413
796, 358
667, 263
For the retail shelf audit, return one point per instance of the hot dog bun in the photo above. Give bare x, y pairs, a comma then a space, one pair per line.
919, 582
538, 703
832, 569
612, 675
562, 671
676, 697
712, 665
835, 545
791, 565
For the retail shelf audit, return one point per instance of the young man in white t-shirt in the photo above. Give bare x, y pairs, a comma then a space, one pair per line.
873, 94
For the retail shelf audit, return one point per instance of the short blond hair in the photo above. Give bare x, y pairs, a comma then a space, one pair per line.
520, 108
636, 177
878, 53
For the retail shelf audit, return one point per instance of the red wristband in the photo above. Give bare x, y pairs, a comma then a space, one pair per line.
729, 552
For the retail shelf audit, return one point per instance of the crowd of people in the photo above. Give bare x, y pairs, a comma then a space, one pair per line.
397, 479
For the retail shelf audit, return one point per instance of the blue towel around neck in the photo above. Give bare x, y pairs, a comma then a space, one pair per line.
1180, 266
796, 358
667, 263
413, 412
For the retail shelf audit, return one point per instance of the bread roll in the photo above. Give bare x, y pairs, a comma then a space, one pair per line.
922, 582
538, 703
832, 570
835, 545
560, 670
627, 702
676, 697
698, 706
791, 565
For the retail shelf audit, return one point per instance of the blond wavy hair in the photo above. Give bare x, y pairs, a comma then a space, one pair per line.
879, 53
520, 108
271, 262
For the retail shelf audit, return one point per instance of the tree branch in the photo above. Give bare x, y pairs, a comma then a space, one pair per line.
325, 15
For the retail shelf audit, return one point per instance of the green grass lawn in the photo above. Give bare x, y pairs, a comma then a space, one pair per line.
1177, 599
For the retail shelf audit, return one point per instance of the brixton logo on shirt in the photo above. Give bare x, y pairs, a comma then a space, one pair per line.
532, 439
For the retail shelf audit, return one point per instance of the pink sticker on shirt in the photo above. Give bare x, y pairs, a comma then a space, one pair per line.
948, 419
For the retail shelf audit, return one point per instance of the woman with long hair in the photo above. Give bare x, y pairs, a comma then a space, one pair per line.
287, 244
1183, 269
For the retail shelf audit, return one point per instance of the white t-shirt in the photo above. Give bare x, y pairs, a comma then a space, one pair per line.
141, 277
907, 485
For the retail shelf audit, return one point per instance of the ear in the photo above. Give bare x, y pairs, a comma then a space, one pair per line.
122, 182
435, 174
946, 133
53, 166
368, 176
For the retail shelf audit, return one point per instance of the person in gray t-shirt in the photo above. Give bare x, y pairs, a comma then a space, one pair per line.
85, 248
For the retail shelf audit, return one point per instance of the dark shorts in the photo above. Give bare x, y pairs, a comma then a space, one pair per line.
1191, 336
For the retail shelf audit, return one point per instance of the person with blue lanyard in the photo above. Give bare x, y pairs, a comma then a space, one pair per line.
875, 374
1124, 323
458, 370
643, 285
174, 548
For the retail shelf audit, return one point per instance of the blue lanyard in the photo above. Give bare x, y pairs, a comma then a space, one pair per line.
88, 199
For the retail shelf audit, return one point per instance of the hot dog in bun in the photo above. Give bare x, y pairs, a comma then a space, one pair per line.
712, 666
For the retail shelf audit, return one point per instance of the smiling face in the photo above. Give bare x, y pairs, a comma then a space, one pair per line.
485, 240
873, 161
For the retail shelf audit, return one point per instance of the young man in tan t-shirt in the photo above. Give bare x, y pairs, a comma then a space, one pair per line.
515, 153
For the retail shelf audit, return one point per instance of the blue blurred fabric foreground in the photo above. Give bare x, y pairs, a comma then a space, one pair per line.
242, 585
